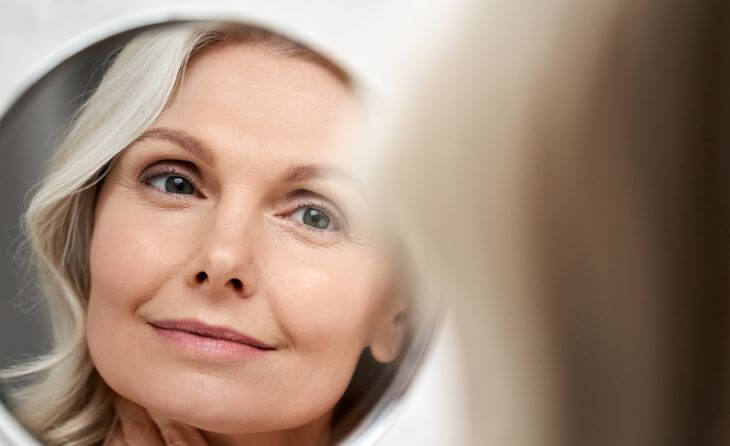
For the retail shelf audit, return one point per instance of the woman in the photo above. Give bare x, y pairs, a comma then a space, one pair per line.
206, 252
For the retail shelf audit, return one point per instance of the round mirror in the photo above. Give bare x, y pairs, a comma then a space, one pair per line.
190, 245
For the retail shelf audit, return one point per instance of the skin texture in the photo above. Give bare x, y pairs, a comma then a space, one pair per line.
237, 253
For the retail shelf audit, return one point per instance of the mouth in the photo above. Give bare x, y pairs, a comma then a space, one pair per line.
210, 332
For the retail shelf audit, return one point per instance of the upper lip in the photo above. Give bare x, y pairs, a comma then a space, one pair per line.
203, 329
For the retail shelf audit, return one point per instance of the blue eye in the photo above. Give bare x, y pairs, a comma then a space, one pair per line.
174, 184
312, 217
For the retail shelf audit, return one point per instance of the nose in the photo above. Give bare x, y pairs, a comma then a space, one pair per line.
223, 265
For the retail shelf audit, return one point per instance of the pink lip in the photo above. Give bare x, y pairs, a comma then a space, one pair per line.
191, 331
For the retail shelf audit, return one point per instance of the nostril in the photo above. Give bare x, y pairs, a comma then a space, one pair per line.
236, 284
201, 276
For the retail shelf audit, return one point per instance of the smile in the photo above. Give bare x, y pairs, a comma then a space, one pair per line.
194, 335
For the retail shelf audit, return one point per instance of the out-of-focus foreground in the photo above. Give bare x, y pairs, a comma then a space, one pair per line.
565, 172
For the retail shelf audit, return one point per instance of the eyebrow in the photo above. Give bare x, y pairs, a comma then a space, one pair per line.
309, 172
186, 141
295, 174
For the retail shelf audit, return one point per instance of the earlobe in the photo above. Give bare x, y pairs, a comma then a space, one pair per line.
388, 339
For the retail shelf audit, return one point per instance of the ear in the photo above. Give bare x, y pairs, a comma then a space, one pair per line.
389, 336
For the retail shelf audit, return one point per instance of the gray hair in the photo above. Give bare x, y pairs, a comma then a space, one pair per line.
63, 400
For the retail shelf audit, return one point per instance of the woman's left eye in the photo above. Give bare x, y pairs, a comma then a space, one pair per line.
312, 217
174, 184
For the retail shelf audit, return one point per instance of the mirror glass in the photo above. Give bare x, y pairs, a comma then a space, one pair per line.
188, 232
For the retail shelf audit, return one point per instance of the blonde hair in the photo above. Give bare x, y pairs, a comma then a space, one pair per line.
64, 400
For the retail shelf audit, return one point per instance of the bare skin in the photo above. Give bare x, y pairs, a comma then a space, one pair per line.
136, 427
236, 209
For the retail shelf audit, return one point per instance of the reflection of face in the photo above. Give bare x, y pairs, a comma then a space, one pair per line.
252, 228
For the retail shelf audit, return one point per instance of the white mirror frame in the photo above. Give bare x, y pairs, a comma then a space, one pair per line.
384, 412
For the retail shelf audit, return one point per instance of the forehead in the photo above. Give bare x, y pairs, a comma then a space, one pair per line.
250, 97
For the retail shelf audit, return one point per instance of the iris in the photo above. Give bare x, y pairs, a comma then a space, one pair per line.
315, 218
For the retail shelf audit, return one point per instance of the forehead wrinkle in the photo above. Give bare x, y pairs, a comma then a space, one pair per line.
226, 157
253, 164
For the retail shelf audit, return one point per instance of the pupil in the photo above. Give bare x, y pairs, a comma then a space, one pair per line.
178, 185
315, 218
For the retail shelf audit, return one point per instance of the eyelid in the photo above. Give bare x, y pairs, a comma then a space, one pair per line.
160, 169
295, 200
335, 218
302, 198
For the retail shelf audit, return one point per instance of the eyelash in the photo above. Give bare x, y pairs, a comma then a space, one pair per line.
334, 215
167, 170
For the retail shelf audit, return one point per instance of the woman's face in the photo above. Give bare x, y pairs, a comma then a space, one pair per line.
235, 211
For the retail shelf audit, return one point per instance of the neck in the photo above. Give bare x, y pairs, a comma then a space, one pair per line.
315, 433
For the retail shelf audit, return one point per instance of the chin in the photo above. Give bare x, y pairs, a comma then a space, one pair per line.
213, 412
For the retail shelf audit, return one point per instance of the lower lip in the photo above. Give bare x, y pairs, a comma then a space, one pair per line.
205, 345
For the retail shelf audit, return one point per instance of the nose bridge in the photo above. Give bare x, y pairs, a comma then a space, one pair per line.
225, 260
232, 220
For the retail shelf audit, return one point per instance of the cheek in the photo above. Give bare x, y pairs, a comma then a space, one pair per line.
131, 255
331, 303
130, 258
327, 309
